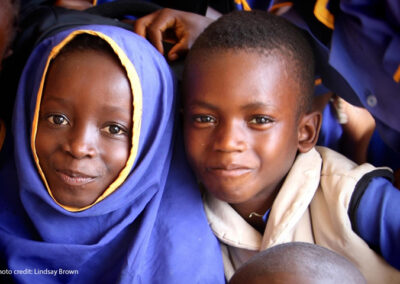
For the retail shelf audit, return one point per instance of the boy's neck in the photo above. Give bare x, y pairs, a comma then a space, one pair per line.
253, 210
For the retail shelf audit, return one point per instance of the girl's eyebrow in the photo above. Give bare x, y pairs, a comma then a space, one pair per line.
54, 99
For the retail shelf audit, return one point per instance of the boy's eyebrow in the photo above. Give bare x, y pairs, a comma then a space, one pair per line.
255, 105
203, 104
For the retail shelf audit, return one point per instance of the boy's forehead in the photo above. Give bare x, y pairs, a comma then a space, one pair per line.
250, 71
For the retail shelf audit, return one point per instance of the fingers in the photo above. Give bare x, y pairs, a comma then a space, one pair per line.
179, 49
154, 25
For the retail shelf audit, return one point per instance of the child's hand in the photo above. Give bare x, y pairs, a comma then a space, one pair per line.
358, 126
174, 26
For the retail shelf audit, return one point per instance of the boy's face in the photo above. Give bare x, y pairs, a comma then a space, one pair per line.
84, 128
241, 127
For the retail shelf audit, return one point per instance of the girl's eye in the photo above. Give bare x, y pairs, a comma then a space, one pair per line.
57, 119
114, 129
204, 119
260, 120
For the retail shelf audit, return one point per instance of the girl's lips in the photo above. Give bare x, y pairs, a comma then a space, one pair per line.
74, 178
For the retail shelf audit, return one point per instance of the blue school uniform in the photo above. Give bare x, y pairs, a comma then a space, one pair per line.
148, 227
357, 45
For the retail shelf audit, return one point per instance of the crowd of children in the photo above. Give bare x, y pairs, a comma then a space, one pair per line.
103, 180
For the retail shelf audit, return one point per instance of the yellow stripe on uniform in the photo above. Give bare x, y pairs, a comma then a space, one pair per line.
277, 6
396, 75
244, 4
323, 14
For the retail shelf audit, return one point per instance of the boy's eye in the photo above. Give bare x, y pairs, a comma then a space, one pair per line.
114, 129
260, 120
57, 119
204, 119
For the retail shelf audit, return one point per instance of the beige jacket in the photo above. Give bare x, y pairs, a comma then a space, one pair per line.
310, 207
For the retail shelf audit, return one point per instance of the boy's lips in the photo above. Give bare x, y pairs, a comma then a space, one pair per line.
231, 170
74, 178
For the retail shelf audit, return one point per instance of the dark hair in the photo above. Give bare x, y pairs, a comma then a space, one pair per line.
84, 41
266, 34
301, 259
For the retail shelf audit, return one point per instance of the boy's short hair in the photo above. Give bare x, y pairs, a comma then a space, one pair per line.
266, 34
299, 257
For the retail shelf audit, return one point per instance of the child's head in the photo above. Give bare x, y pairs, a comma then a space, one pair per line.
298, 263
85, 121
248, 85
8, 16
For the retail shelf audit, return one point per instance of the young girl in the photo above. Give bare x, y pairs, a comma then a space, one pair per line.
92, 188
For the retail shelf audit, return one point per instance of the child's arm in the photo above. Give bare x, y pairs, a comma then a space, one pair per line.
376, 219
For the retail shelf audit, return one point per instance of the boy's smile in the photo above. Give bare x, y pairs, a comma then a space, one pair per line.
84, 129
241, 125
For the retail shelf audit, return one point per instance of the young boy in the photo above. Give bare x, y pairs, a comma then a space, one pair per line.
250, 136
89, 184
297, 262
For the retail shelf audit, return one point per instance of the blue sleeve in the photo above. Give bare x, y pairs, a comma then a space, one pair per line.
376, 218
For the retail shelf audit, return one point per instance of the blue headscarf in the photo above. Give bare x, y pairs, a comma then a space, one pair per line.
150, 228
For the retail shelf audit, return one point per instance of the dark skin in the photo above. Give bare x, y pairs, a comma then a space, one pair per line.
242, 128
6, 28
177, 27
84, 129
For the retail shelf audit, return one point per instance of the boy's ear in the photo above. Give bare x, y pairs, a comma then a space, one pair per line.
308, 131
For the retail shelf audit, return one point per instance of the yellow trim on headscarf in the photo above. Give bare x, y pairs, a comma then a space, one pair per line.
2, 133
136, 118
323, 14
244, 4
94, 2
396, 75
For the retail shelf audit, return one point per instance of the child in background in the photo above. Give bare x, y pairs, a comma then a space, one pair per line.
90, 190
8, 16
297, 262
250, 136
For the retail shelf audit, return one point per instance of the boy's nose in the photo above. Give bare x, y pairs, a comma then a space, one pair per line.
81, 142
230, 137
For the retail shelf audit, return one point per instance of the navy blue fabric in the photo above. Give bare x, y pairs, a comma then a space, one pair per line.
359, 57
365, 51
378, 219
152, 229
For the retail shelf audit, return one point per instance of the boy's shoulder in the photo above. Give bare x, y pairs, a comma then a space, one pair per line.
337, 166
342, 180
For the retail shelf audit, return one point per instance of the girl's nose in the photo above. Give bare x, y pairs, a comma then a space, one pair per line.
81, 142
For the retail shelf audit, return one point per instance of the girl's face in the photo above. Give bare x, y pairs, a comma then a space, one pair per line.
84, 130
